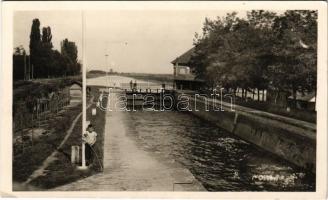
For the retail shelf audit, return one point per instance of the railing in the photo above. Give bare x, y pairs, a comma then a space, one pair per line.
144, 86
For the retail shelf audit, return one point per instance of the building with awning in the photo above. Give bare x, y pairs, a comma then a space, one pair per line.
304, 101
184, 74
75, 91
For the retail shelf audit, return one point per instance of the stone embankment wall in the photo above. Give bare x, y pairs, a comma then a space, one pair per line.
290, 139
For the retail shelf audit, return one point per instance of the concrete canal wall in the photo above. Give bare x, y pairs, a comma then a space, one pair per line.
290, 139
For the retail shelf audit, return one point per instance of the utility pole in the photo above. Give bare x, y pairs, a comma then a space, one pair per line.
83, 164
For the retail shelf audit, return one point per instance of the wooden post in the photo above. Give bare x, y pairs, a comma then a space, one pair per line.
75, 154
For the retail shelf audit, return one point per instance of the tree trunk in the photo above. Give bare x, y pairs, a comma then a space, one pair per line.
276, 97
315, 98
253, 90
258, 95
294, 97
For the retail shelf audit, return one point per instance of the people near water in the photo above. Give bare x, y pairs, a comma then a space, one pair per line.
131, 85
89, 138
135, 85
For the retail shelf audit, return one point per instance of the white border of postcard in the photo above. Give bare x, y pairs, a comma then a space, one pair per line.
8, 9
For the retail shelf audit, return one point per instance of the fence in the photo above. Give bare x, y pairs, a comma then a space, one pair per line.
143, 86
33, 112
30, 112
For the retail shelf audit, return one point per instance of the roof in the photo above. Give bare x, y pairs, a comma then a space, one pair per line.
184, 59
307, 97
76, 82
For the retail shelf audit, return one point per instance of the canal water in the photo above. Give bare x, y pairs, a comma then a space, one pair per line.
218, 159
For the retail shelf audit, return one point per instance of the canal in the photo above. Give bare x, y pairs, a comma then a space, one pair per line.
218, 159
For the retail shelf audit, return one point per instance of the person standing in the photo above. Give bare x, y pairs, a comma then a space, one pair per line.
135, 85
89, 138
131, 85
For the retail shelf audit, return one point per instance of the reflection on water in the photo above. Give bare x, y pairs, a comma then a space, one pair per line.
220, 161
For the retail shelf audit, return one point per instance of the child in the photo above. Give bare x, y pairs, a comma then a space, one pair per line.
89, 138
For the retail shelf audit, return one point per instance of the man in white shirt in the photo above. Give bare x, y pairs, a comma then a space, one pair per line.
89, 138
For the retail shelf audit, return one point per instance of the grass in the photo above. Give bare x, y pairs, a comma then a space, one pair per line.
62, 171
26, 160
24, 163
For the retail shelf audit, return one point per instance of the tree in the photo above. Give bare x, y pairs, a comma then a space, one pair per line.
46, 38
262, 51
295, 51
46, 54
19, 63
35, 44
45, 61
69, 52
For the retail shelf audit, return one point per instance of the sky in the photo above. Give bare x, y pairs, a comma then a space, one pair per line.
143, 41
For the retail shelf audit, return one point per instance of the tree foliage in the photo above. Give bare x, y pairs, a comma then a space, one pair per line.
46, 61
264, 50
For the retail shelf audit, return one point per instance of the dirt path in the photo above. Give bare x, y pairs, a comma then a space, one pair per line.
129, 168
